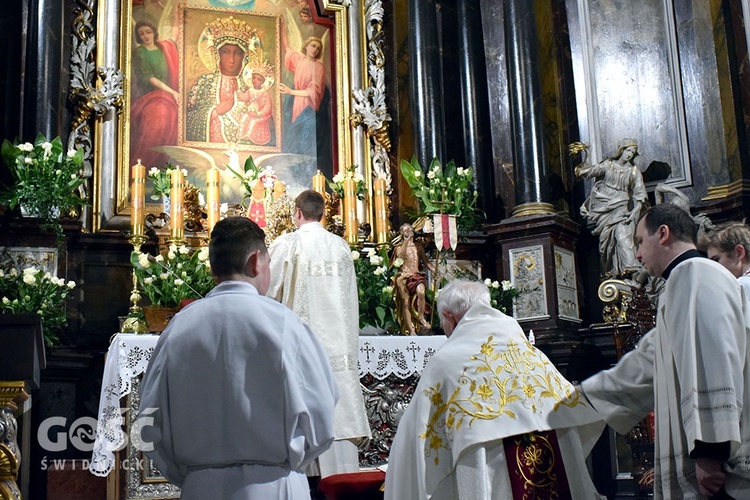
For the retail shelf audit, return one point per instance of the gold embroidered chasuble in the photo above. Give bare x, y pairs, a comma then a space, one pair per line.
487, 383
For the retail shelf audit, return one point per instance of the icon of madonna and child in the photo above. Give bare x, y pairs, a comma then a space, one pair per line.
242, 104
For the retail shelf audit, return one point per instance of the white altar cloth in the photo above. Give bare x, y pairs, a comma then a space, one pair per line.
129, 354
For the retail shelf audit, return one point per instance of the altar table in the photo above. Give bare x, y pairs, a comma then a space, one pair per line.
389, 367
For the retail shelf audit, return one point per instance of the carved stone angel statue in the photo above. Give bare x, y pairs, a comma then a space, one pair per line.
614, 205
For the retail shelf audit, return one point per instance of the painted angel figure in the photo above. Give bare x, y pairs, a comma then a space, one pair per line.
614, 205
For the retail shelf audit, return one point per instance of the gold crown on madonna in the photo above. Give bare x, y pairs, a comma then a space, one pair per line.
262, 68
234, 31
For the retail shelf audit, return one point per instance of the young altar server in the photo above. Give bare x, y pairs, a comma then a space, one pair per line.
491, 417
239, 388
691, 368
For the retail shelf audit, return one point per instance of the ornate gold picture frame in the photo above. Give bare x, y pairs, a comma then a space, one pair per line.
354, 106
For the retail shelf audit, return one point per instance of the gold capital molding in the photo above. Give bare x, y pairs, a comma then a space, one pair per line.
727, 190
12, 393
536, 208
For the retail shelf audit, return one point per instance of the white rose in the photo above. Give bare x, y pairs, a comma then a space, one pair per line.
431, 175
15, 301
6, 300
73, 176
376, 260
153, 171
13, 272
28, 161
30, 270
172, 247
179, 265
183, 274
178, 282
171, 255
460, 171
203, 254
159, 258
338, 178
71, 153
184, 250
26, 146
355, 255
29, 279
388, 289
2, 274
417, 173
58, 172
26, 298
71, 284
507, 285
378, 271
164, 276
495, 284
370, 253
148, 280
488, 282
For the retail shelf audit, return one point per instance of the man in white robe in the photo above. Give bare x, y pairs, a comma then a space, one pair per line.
480, 423
312, 272
691, 368
239, 389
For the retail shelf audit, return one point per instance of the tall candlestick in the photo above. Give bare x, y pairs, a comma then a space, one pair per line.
381, 212
177, 198
350, 211
137, 198
212, 198
319, 183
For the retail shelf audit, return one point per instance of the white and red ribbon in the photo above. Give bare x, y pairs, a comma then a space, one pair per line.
446, 232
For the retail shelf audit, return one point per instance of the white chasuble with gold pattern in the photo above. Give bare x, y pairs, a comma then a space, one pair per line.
486, 383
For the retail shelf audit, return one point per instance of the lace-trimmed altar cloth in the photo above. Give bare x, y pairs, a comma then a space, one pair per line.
402, 356
127, 358
129, 354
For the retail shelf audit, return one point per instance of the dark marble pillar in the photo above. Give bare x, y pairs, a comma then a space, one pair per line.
43, 93
424, 75
530, 169
475, 102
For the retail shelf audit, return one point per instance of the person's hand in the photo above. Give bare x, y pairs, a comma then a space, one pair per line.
283, 88
224, 106
710, 476
176, 96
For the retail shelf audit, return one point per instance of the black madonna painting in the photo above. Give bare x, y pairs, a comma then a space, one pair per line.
216, 81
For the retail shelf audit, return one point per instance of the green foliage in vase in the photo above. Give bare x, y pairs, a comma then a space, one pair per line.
337, 183
33, 291
502, 294
190, 276
46, 178
375, 288
162, 180
447, 189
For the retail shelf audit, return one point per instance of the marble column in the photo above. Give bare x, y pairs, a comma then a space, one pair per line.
530, 167
426, 88
43, 99
475, 103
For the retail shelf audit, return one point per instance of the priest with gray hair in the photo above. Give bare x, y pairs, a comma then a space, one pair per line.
487, 399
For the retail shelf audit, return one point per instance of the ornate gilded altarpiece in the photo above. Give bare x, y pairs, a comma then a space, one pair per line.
350, 126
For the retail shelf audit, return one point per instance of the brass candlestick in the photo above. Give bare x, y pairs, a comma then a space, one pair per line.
135, 322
